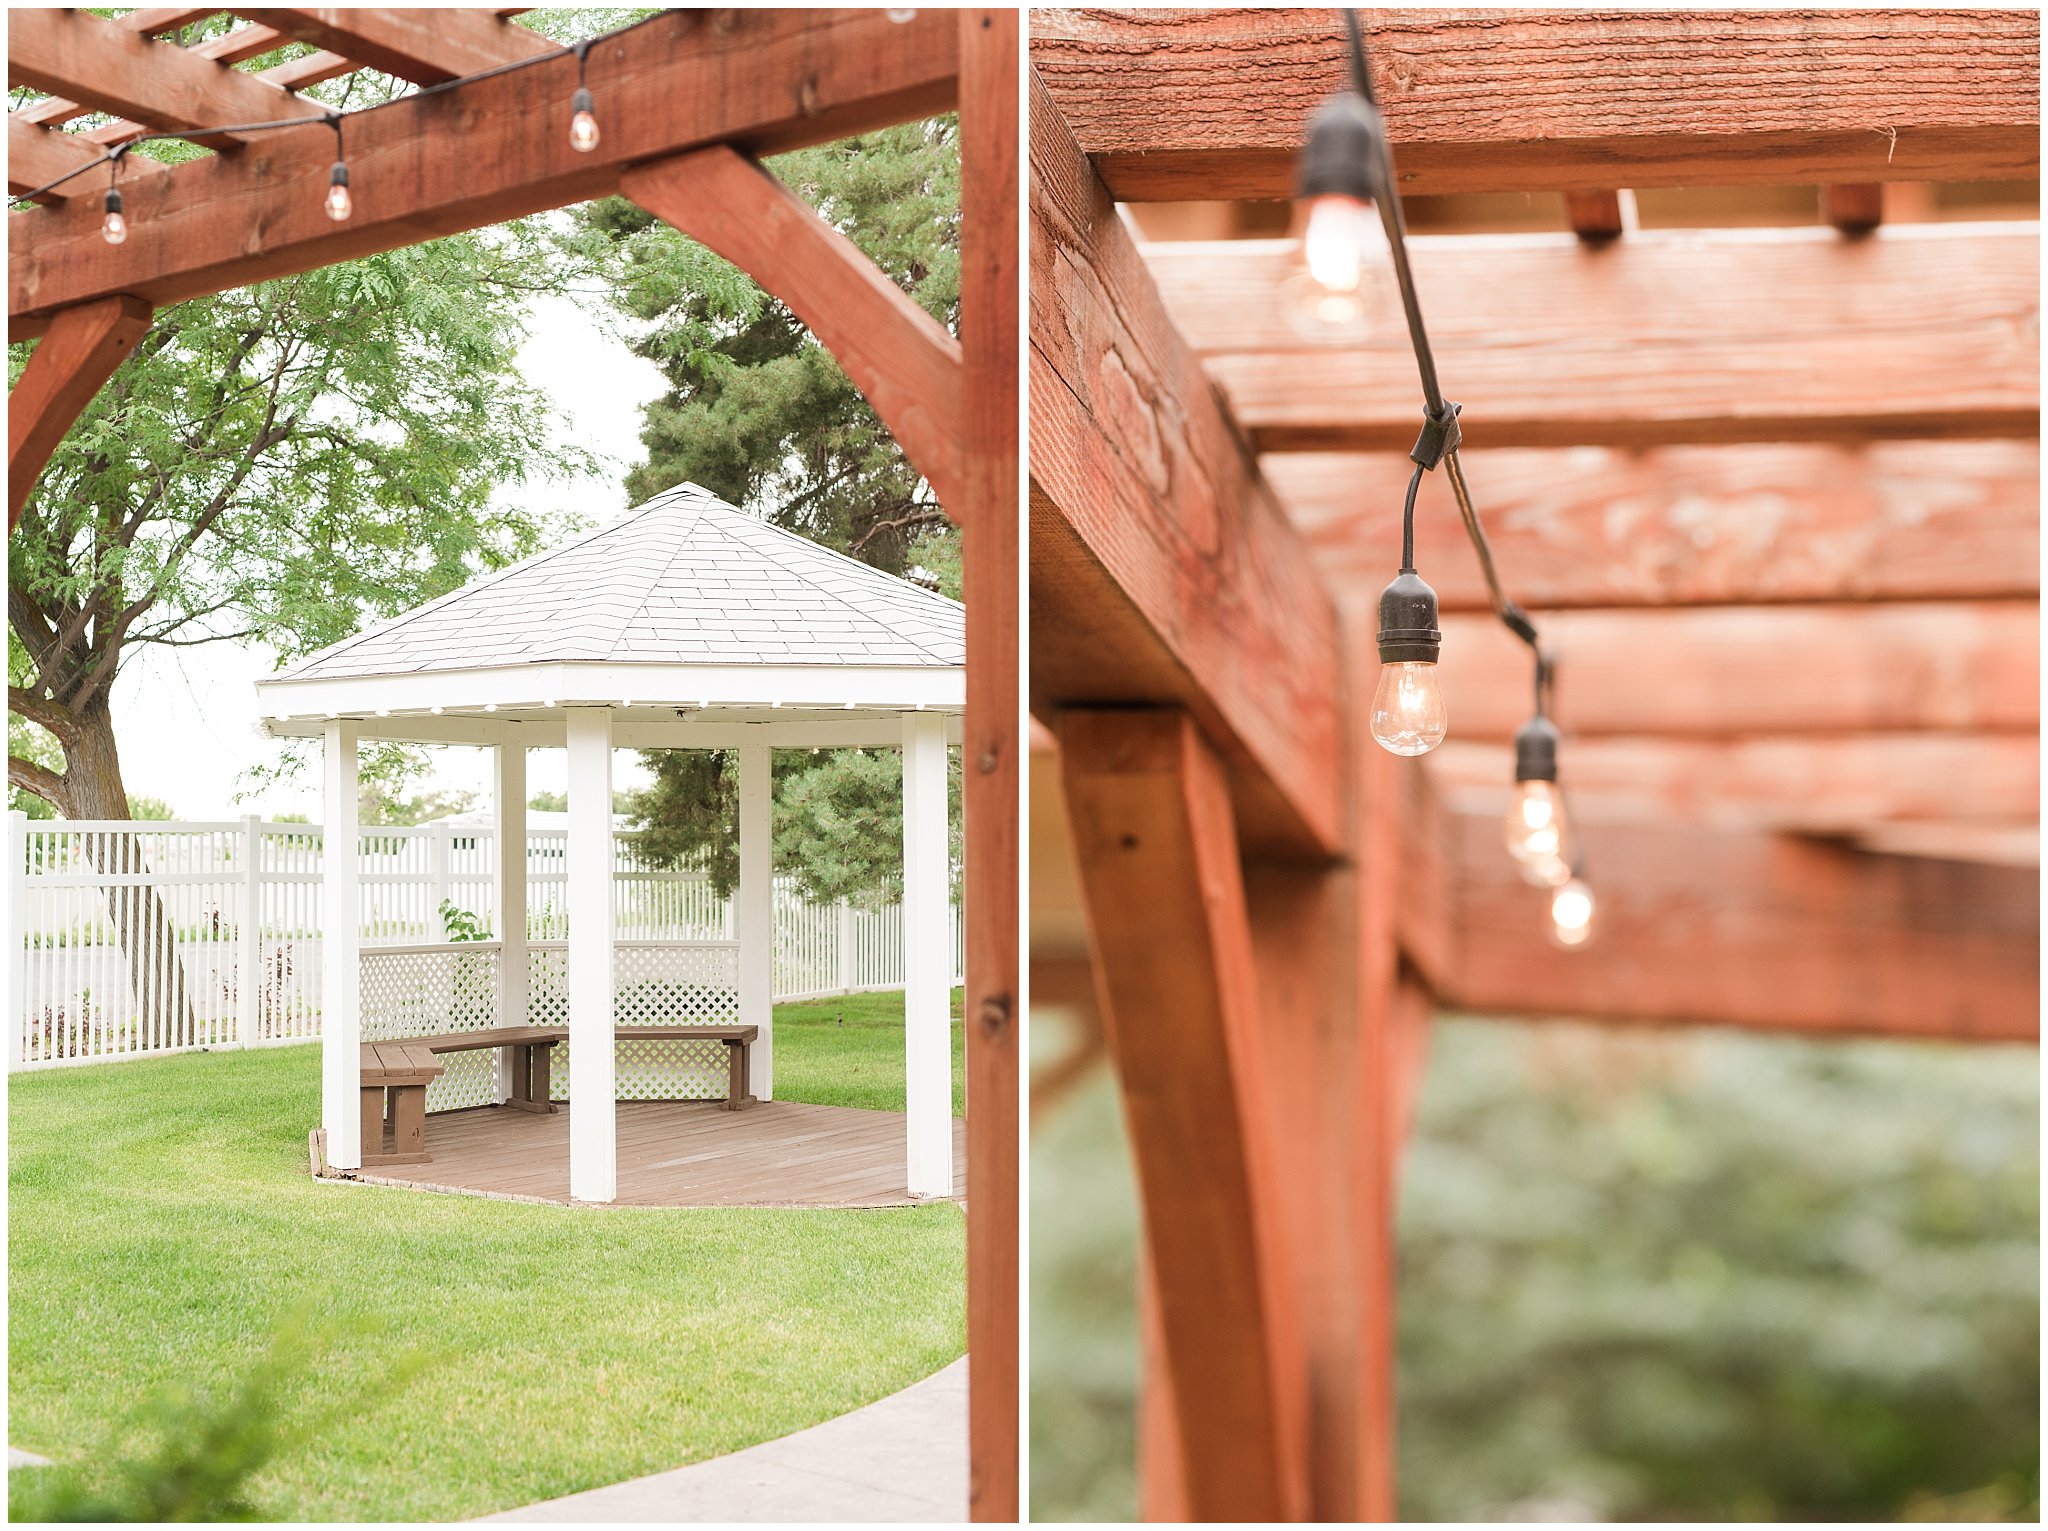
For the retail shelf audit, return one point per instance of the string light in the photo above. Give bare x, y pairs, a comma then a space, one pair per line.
339, 203
1347, 171
583, 110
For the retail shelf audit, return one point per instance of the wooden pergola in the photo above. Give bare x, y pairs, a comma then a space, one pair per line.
691, 100
1772, 493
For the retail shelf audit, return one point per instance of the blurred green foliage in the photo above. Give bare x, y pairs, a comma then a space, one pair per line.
1644, 1276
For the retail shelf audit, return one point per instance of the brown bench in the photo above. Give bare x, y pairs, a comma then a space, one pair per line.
394, 1095
396, 1076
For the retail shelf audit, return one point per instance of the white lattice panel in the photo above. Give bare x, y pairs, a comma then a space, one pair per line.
654, 984
416, 991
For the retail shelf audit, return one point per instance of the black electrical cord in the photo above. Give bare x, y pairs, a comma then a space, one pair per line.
580, 50
1441, 414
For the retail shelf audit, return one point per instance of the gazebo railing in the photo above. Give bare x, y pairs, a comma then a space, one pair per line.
427, 989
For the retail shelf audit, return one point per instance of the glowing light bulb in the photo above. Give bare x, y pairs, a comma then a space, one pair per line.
583, 133
1571, 914
1343, 240
1536, 832
1408, 709
339, 203
900, 16
114, 227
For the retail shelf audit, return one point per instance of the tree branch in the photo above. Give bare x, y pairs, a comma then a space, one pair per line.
44, 713
43, 782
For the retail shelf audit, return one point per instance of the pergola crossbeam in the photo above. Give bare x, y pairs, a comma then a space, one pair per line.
68, 366
1177, 104
1667, 337
427, 47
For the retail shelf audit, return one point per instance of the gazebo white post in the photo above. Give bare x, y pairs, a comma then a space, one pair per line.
508, 818
341, 1024
927, 958
754, 912
593, 1096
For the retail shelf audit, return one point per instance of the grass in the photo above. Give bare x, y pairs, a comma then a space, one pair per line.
163, 1226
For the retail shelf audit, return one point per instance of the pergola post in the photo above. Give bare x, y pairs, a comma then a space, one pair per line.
754, 912
508, 799
927, 959
341, 1024
593, 1103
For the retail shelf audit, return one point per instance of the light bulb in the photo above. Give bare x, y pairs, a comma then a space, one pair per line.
1342, 242
583, 125
114, 227
900, 16
1571, 914
339, 204
1408, 708
1536, 831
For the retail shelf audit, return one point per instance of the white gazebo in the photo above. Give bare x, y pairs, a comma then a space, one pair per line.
684, 624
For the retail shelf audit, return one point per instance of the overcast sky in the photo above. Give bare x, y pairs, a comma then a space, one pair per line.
185, 719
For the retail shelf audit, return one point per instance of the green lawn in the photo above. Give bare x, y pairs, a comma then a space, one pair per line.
163, 1224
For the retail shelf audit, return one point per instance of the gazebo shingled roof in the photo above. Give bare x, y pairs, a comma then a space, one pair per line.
683, 578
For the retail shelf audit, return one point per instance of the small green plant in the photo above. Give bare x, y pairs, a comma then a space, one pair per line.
461, 924
205, 1450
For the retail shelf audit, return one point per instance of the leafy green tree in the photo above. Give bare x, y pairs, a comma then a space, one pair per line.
149, 808
756, 410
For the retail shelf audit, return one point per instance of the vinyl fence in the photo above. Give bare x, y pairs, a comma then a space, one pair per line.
143, 938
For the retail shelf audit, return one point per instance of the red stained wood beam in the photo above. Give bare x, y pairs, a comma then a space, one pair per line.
425, 46
1664, 337
1690, 525
1843, 785
1179, 104
37, 156
110, 68
1733, 672
761, 80
1756, 930
54, 110
987, 452
1594, 215
1162, 570
901, 359
1158, 855
1856, 208
80, 353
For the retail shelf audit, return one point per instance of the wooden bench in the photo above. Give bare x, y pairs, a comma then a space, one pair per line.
394, 1094
396, 1076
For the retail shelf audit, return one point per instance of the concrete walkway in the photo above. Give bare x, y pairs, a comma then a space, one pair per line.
902, 1458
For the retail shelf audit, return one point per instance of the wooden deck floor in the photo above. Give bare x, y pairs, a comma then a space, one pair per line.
682, 1154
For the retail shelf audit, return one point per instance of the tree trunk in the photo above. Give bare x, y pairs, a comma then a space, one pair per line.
142, 924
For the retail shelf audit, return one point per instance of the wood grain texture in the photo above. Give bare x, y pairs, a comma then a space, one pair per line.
1184, 1013
424, 46
1700, 927
900, 358
66, 369
990, 517
1689, 526
1736, 671
112, 68
1841, 785
1665, 337
1161, 568
762, 80
37, 156
1176, 104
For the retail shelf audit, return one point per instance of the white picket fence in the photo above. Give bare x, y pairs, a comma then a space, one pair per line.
144, 938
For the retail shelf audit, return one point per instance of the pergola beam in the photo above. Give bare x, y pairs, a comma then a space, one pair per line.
899, 356
68, 366
1162, 570
1158, 856
1173, 105
1664, 337
1841, 785
110, 68
1803, 935
1731, 672
1689, 525
762, 80
425, 46
37, 156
